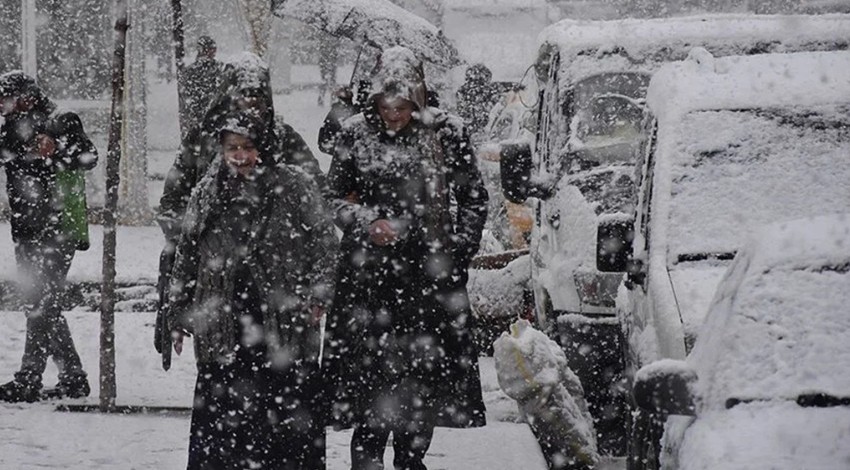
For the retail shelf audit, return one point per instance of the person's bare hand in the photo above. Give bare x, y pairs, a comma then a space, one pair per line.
45, 145
316, 313
177, 337
382, 233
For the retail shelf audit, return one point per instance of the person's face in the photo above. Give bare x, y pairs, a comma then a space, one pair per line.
395, 112
240, 153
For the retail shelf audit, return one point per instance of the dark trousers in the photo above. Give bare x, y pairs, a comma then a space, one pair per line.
411, 441
244, 416
43, 267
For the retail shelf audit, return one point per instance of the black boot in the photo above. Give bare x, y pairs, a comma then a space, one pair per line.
73, 388
16, 392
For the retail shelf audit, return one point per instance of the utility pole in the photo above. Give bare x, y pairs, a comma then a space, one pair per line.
28, 38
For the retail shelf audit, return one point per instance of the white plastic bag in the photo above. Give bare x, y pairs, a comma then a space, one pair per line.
532, 369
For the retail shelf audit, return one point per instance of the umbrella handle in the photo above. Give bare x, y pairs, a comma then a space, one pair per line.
356, 63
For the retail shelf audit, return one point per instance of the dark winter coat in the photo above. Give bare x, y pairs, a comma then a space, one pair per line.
282, 253
475, 98
247, 77
399, 329
202, 81
34, 200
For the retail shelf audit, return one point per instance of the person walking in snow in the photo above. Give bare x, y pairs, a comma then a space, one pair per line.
39, 149
400, 357
202, 79
245, 86
475, 98
252, 277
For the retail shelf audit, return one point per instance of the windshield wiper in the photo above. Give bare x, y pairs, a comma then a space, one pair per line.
811, 400
720, 256
822, 400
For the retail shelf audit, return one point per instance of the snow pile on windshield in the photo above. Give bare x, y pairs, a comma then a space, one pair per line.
778, 327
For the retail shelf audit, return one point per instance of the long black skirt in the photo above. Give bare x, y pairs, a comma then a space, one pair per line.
246, 416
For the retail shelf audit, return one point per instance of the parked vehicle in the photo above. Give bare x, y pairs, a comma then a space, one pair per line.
768, 382
738, 142
593, 134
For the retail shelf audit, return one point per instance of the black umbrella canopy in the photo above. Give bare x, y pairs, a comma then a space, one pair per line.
377, 22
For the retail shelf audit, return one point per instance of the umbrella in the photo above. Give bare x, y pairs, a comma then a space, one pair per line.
376, 22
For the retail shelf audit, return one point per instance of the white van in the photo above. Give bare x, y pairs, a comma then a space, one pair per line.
739, 142
592, 135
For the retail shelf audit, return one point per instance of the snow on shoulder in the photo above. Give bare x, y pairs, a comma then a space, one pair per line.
739, 82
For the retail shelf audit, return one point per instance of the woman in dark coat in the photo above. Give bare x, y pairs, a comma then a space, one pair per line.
400, 354
251, 279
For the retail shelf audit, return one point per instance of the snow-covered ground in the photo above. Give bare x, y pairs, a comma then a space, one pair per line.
36, 436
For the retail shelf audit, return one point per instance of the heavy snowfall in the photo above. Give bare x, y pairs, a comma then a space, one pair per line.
410, 234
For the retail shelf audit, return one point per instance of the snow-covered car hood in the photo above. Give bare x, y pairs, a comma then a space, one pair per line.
695, 284
780, 435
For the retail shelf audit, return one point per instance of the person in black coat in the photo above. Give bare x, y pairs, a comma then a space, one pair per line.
245, 86
38, 145
251, 280
202, 80
410, 201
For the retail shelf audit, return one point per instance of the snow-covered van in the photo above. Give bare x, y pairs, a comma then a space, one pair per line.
768, 382
738, 142
592, 131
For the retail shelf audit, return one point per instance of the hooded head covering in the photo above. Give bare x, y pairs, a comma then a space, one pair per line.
400, 75
20, 85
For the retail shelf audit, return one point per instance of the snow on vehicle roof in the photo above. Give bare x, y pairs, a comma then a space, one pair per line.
638, 36
644, 44
740, 82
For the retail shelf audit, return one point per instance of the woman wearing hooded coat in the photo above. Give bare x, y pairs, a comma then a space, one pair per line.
245, 87
250, 281
411, 204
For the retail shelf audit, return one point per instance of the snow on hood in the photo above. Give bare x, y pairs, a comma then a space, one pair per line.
400, 75
806, 243
742, 82
778, 327
762, 436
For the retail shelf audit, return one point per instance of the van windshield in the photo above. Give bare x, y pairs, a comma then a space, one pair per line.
733, 171
606, 118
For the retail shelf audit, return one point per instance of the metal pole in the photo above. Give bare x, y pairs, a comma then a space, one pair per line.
178, 38
113, 158
29, 52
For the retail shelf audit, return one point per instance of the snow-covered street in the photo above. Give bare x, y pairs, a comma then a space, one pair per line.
36, 436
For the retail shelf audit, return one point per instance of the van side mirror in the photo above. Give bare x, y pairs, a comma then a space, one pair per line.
515, 167
635, 274
664, 388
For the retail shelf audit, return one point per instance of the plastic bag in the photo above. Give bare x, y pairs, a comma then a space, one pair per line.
532, 369
71, 185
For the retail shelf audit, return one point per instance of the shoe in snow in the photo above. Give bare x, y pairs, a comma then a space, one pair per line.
77, 388
16, 392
